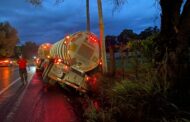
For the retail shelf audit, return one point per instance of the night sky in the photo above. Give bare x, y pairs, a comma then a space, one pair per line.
50, 22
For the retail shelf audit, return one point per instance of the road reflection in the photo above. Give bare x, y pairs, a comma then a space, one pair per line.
31, 69
7, 75
10, 83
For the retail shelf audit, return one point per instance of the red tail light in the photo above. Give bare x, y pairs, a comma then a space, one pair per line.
57, 61
87, 78
94, 81
100, 63
91, 80
66, 68
91, 38
67, 37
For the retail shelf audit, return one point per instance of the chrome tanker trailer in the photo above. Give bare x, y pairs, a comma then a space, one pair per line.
72, 60
43, 56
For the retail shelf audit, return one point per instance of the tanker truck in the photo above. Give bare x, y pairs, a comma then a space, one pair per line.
73, 60
43, 56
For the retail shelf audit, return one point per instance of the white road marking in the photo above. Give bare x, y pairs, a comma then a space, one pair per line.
2, 91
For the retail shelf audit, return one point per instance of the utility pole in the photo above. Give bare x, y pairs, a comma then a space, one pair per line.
87, 16
102, 39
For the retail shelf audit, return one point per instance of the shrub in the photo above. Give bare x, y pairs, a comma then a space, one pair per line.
134, 102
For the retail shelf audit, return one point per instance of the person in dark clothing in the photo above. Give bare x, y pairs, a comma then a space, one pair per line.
22, 69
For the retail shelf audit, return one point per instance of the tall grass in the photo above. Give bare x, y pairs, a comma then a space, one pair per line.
141, 96
129, 101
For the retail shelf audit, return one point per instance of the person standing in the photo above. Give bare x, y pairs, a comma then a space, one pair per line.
22, 69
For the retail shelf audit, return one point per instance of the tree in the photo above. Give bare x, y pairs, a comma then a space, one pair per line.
148, 32
127, 35
29, 49
174, 36
17, 51
8, 39
174, 44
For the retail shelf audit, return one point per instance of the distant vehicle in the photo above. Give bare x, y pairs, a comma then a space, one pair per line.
43, 56
5, 62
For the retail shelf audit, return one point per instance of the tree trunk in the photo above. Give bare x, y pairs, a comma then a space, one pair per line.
170, 16
169, 21
183, 49
175, 37
169, 29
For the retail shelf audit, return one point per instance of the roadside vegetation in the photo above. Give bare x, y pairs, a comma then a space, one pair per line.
10, 46
137, 93
152, 84
8, 39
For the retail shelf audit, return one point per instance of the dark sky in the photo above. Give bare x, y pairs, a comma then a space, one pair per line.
50, 22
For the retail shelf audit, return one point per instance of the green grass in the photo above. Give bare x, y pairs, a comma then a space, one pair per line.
134, 99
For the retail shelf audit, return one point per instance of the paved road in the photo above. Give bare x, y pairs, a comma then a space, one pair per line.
31, 103
11, 88
7, 76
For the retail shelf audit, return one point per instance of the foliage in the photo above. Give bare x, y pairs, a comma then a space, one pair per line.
148, 32
146, 99
141, 53
145, 47
133, 101
127, 35
173, 43
29, 49
39, 2
17, 51
8, 39
148, 46
117, 4
136, 101
110, 40
91, 113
